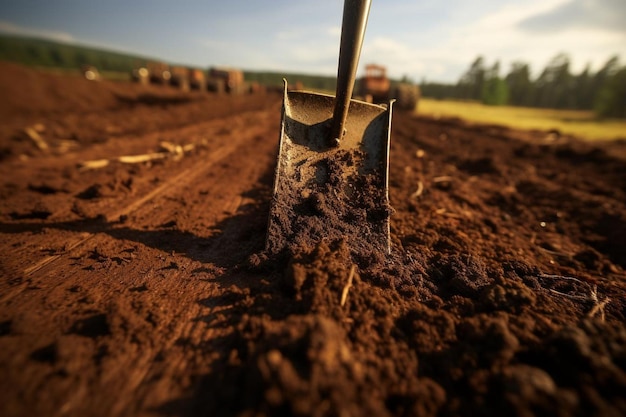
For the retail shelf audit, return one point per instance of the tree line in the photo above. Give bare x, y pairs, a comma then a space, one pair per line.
47, 53
556, 86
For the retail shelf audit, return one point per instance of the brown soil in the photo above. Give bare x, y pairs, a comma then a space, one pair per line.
324, 190
143, 289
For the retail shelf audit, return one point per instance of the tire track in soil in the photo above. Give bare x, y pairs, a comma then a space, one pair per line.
78, 286
47, 195
187, 175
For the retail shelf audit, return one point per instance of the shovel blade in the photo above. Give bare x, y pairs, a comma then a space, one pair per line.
326, 192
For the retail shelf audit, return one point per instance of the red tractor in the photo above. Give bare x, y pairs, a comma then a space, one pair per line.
375, 87
226, 80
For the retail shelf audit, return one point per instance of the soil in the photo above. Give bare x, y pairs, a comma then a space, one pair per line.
324, 190
144, 289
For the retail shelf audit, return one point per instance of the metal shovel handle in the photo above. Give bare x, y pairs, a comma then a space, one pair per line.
355, 13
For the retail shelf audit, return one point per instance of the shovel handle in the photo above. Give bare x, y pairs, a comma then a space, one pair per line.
355, 13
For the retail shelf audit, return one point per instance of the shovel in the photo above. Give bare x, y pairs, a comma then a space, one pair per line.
331, 179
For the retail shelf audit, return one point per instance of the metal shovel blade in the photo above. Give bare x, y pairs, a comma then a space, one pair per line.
331, 192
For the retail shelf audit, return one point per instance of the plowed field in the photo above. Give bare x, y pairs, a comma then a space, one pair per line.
143, 289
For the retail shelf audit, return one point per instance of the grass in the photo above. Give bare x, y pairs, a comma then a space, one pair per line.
580, 123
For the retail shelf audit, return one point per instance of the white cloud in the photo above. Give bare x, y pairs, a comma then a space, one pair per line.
216, 44
13, 29
334, 31
396, 56
499, 36
598, 14
509, 16
305, 49
443, 54
288, 35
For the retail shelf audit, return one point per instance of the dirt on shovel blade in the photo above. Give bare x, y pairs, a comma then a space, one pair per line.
328, 193
142, 289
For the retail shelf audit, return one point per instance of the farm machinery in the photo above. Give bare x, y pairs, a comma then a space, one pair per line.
220, 80
375, 87
226, 80
188, 78
159, 73
152, 73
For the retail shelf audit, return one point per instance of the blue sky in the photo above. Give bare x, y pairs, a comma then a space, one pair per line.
436, 40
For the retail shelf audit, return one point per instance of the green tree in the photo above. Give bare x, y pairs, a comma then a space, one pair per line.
494, 92
610, 68
470, 86
32, 55
555, 84
611, 100
81, 58
57, 58
521, 87
438, 91
584, 91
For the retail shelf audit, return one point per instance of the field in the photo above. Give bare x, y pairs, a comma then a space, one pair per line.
143, 288
581, 123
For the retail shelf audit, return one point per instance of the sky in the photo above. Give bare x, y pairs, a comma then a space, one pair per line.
421, 39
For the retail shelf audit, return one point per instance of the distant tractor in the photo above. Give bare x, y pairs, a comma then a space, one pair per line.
375, 87
179, 78
141, 75
197, 79
255, 87
159, 72
407, 96
226, 80
297, 86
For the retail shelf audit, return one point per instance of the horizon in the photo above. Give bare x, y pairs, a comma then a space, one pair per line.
279, 36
